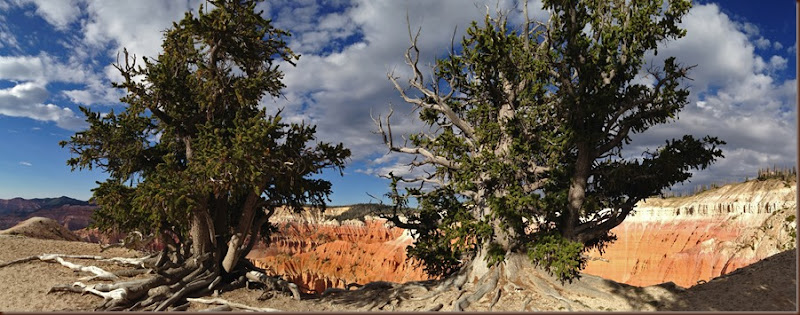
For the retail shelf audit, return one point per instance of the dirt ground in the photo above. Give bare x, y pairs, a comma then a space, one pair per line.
769, 285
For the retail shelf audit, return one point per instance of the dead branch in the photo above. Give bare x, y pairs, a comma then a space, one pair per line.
232, 304
430, 157
439, 101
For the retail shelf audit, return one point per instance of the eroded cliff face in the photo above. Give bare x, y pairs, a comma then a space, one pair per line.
693, 239
683, 240
318, 253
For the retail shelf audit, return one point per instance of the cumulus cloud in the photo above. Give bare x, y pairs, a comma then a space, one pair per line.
735, 95
763, 43
337, 88
26, 100
58, 13
120, 24
348, 47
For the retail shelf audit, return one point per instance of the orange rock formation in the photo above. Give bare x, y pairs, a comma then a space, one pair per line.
321, 255
693, 239
683, 240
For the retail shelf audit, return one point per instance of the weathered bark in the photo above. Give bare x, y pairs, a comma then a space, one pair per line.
577, 191
235, 247
200, 232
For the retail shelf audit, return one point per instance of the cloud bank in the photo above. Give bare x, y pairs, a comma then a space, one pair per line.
740, 91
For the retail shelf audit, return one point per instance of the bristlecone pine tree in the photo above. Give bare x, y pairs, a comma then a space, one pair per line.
220, 166
527, 128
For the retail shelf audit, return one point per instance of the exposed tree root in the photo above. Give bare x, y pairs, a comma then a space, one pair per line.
467, 287
456, 281
485, 285
221, 308
232, 304
52, 257
495, 299
436, 308
171, 282
273, 283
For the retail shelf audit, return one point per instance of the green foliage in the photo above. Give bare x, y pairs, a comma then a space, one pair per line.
530, 122
558, 255
495, 254
361, 210
219, 156
784, 174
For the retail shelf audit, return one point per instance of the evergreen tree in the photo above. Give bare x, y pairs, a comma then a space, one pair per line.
528, 124
219, 166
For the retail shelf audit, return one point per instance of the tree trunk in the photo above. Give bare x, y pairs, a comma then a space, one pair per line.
200, 232
577, 191
235, 247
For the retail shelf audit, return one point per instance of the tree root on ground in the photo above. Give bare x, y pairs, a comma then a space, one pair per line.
98, 273
457, 281
232, 304
487, 283
170, 280
273, 283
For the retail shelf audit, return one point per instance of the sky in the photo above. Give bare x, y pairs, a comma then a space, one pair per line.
57, 55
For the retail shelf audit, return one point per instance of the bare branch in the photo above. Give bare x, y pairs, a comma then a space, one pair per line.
430, 157
417, 82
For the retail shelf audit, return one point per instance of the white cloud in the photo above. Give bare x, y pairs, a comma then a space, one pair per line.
777, 62
748, 28
735, 95
722, 52
7, 38
337, 90
762, 43
24, 163
45, 69
58, 13
121, 24
26, 100
42, 68
21, 68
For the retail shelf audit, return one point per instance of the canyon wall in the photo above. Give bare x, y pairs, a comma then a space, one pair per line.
683, 240
318, 253
688, 240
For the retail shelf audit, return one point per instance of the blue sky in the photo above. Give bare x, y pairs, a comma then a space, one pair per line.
56, 55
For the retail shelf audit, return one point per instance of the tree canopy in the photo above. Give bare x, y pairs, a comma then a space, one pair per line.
527, 126
194, 157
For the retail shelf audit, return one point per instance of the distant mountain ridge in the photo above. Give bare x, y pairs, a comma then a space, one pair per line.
72, 213
21, 205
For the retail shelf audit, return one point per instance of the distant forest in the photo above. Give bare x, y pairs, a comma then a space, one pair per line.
785, 174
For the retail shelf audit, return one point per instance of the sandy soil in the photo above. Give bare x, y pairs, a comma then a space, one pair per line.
767, 285
23, 287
